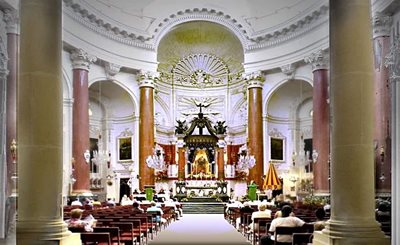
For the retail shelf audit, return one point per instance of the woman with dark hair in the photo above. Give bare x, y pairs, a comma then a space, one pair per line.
319, 225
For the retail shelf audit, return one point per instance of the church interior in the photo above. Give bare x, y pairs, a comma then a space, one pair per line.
209, 101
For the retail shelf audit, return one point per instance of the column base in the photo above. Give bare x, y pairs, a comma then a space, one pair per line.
45, 233
345, 233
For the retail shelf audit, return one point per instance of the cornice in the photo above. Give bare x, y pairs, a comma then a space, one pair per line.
91, 21
250, 41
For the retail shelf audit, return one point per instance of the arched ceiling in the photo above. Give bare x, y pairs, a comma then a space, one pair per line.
286, 98
142, 23
200, 37
116, 102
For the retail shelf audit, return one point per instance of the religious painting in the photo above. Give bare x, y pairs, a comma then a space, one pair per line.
201, 163
277, 149
124, 149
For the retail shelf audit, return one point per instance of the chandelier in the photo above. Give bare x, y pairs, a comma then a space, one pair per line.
101, 156
246, 161
156, 160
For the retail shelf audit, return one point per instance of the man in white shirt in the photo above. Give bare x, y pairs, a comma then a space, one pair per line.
285, 220
76, 203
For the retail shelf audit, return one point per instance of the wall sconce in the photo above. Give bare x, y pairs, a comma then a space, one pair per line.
86, 155
382, 154
314, 156
13, 150
294, 155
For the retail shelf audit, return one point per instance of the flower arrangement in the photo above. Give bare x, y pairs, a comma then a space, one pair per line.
241, 175
314, 201
161, 175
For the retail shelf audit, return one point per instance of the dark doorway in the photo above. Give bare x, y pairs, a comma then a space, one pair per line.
124, 188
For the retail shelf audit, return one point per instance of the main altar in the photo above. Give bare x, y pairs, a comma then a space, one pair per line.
201, 160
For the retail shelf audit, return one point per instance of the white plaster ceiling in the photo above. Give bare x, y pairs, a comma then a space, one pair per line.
114, 100
253, 21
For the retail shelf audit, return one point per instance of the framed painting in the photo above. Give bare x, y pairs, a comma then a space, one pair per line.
124, 150
277, 149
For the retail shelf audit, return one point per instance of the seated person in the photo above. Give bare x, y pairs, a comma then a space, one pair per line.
382, 214
153, 209
96, 202
76, 203
76, 220
110, 202
319, 225
136, 208
135, 191
262, 212
285, 220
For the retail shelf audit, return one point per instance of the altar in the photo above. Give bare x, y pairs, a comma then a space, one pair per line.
202, 191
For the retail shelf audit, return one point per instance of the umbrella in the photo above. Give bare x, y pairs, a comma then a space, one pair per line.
272, 181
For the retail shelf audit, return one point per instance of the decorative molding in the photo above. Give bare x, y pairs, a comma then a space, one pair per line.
147, 78
319, 60
3, 59
250, 41
11, 19
81, 59
288, 70
381, 25
392, 60
127, 132
200, 70
276, 133
111, 69
91, 21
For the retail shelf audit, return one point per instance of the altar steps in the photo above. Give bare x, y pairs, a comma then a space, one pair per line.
202, 208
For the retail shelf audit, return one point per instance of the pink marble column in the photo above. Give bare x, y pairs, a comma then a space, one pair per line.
181, 158
146, 128
382, 104
319, 61
11, 19
220, 157
80, 123
255, 127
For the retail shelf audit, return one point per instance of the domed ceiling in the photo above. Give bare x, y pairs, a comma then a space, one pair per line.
204, 39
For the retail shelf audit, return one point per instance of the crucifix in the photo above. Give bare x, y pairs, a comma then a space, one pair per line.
201, 105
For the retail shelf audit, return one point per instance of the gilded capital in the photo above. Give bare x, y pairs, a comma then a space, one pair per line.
81, 59
11, 19
254, 80
381, 24
319, 60
147, 78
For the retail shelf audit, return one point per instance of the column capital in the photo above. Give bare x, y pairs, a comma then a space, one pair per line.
81, 59
254, 80
319, 60
111, 69
11, 19
381, 24
147, 78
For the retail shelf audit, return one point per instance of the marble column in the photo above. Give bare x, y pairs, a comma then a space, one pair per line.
319, 62
12, 27
146, 127
382, 127
393, 61
181, 158
255, 127
39, 127
220, 157
7, 203
351, 95
80, 121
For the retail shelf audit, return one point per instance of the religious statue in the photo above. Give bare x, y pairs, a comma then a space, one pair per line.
220, 128
201, 163
181, 128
